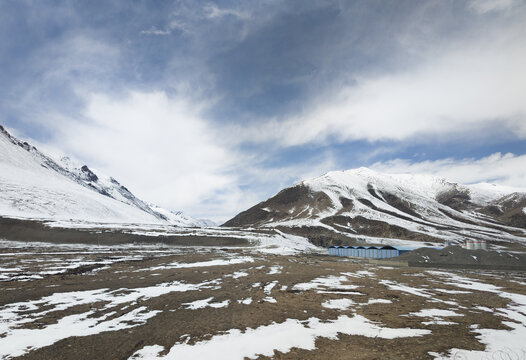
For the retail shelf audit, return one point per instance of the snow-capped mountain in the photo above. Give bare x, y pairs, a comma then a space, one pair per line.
33, 185
180, 218
362, 204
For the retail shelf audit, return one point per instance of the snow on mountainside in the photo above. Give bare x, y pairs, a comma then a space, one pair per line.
364, 205
106, 186
33, 185
180, 218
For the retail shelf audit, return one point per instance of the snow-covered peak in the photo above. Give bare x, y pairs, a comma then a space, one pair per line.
483, 193
179, 218
360, 180
35, 185
365, 204
32, 185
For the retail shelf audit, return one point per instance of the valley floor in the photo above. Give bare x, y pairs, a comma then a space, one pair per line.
159, 302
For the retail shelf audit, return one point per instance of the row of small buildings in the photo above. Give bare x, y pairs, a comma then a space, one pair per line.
383, 252
375, 252
475, 245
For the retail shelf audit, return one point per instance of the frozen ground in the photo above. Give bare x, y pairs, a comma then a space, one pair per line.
270, 241
161, 302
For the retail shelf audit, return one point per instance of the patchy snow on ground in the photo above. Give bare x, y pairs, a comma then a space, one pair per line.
447, 291
269, 299
502, 344
378, 301
392, 285
204, 303
340, 304
268, 288
435, 316
16, 341
27, 271
148, 352
246, 301
433, 313
275, 270
217, 262
237, 274
438, 321
264, 340
365, 273
19, 341
324, 283
285, 244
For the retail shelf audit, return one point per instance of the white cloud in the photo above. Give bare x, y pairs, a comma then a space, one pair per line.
164, 151
503, 169
284, 176
485, 6
461, 87
174, 24
187, 19
257, 182
158, 146
155, 31
212, 11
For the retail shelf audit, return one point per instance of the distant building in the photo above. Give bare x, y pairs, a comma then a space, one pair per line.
475, 245
375, 252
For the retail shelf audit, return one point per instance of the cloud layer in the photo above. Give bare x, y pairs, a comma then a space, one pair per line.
211, 107
467, 87
159, 146
504, 169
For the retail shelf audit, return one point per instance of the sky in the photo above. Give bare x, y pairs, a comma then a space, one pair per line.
211, 107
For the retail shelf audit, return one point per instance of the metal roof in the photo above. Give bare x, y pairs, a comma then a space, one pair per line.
386, 247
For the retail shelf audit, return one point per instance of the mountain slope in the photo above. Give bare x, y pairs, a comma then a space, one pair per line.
34, 185
364, 205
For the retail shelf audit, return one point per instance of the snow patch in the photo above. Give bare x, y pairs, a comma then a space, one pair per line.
378, 301
275, 270
268, 288
237, 274
204, 303
340, 304
266, 339
392, 285
246, 301
16, 341
269, 299
500, 342
217, 262
325, 282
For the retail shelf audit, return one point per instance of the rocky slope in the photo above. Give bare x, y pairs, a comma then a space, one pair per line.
33, 185
349, 207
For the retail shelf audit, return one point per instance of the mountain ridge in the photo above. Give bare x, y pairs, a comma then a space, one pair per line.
359, 205
27, 188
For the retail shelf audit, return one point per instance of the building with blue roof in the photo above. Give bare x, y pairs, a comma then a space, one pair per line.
374, 252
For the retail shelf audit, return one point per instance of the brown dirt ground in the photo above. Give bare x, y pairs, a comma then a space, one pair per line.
175, 323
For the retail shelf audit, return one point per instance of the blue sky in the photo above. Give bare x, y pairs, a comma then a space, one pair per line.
210, 107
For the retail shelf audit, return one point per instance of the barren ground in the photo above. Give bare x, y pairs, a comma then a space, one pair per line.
99, 302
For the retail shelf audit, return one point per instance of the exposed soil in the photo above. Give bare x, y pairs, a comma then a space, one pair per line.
33, 230
456, 255
141, 267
